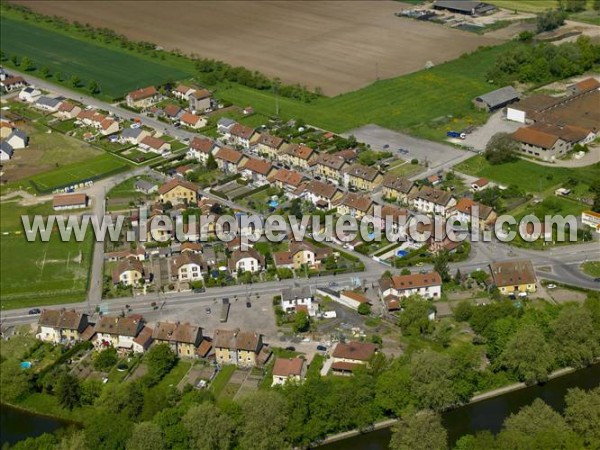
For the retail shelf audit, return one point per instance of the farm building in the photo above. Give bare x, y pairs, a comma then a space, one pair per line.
69, 201
497, 99
471, 8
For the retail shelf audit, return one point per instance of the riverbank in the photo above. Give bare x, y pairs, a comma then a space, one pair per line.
384, 424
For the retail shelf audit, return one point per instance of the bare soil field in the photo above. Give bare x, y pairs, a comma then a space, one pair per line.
338, 46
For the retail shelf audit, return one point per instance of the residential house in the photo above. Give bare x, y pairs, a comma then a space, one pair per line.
355, 205
201, 148
224, 125
228, 159
466, 210
301, 254
68, 110
29, 94
330, 167
10, 84
142, 98
178, 191
352, 299
288, 180
182, 92
118, 332
480, 184
6, 151
348, 356
133, 135
248, 260
591, 219
297, 155
60, 325
143, 340
191, 120
108, 126
434, 179
200, 100
362, 177
428, 200
69, 201
513, 277
269, 146
398, 188
293, 298
427, 285
129, 272
47, 103
155, 145
183, 338
242, 135
6, 128
187, 267
288, 370
172, 111
322, 195
394, 217
17, 139
257, 171
240, 348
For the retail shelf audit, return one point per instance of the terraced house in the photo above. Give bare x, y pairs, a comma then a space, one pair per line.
229, 160
269, 146
398, 188
467, 210
355, 205
428, 200
116, 331
240, 348
59, 325
129, 272
301, 254
242, 135
297, 155
257, 171
201, 148
330, 167
427, 285
322, 195
362, 177
178, 191
288, 180
183, 338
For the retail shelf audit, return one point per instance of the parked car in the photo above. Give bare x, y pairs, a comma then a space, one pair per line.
207, 310
199, 290
248, 305
291, 349
321, 348
35, 311
551, 286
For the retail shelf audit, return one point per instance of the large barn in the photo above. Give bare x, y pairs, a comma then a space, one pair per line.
471, 8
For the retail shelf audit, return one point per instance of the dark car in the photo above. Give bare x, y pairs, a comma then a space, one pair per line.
248, 305
321, 348
35, 311
597, 280
291, 349
199, 290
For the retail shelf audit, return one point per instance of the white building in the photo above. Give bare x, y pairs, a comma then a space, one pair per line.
295, 298
427, 285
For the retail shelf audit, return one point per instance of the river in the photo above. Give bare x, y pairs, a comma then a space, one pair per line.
487, 414
16, 424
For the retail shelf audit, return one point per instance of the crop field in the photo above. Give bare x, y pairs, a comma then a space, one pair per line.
526, 5
338, 46
78, 172
117, 72
40, 273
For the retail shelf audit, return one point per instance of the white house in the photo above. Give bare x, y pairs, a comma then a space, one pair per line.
201, 148
432, 201
29, 94
246, 261
59, 325
427, 285
591, 219
17, 139
187, 267
6, 151
288, 370
118, 332
295, 298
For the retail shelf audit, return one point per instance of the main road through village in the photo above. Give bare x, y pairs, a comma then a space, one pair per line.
558, 264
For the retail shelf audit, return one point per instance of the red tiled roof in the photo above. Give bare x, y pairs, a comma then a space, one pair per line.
203, 145
360, 351
285, 367
69, 200
229, 155
290, 177
534, 137
143, 93
259, 166
153, 142
190, 119
169, 185
416, 280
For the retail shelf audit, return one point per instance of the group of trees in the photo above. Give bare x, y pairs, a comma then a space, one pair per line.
543, 63
501, 148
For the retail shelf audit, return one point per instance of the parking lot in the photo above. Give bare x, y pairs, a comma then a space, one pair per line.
431, 154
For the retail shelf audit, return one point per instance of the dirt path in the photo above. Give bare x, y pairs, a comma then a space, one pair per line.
26, 198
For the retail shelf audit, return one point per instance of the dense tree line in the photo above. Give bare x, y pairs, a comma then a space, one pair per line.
543, 63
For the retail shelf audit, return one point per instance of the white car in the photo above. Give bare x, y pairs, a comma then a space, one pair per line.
551, 286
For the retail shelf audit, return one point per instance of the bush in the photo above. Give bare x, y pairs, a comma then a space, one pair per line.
550, 20
364, 309
105, 359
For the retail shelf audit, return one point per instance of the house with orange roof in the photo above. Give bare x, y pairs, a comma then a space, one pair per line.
177, 191
427, 285
286, 370
67, 110
201, 148
155, 145
229, 160
297, 155
191, 120
142, 98
242, 135
257, 171
183, 92
288, 180
269, 146
200, 100
355, 205
467, 210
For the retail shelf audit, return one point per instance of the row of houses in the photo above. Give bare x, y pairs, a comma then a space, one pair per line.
133, 334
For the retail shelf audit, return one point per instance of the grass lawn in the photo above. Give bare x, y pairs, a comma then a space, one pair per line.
528, 175
43, 273
526, 5
78, 172
592, 268
404, 169
110, 67
222, 379
11, 212
173, 378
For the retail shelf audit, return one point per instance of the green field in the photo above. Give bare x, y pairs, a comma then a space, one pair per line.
115, 70
78, 172
11, 212
41, 273
527, 175
526, 5
592, 268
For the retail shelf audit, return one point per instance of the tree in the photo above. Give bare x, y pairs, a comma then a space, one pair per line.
393, 392
209, 428
301, 322
101, 432
537, 426
364, 309
146, 436
27, 64
432, 384
501, 148
15, 60
440, 265
575, 340
68, 391
582, 413
405, 271
414, 318
211, 163
528, 355
160, 359
105, 359
93, 87
595, 190
550, 20
58, 76
75, 81
74, 441
45, 72
572, 5
296, 208
264, 421
421, 431
15, 383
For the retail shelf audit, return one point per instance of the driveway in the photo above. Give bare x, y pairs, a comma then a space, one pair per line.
479, 138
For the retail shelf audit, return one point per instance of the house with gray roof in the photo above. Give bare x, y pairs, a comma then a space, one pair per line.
6, 151
47, 103
133, 135
17, 139
497, 99
145, 187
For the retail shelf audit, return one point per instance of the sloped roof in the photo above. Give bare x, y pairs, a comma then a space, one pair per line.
513, 273
143, 93
61, 319
237, 340
397, 183
537, 138
500, 96
172, 184
257, 165
433, 195
360, 351
363, 172
122, 326
285, 367
356, 201
203, 145
230, 155
416, 280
